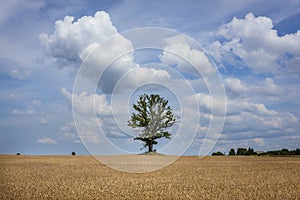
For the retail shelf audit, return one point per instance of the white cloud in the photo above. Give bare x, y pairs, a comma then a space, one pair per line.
73, 41
81, 40
256, 42
263, 89
69, 131
8, 7
29, 112
88, 129
140, 76
235, 85
46, 140
43, 121
237, 106
69, 135
268, 88
262, 110
88, 104
12, 96
246, 119
259, 141
179, 53
77, 141
23, 112
36, 102
17, 112
92, 112
213, 106
256, 119
20, 74
72, 37
68, 127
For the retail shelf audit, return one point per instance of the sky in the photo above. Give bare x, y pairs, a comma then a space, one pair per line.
70, 71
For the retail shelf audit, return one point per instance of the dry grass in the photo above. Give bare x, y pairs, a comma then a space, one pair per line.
83, 177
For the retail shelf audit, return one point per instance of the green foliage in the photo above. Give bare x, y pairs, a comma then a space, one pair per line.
231, 152
219, 153
241, 152
153, 116
250, 151
245, 152
283, 152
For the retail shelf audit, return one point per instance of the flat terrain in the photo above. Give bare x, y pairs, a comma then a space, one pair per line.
83, 177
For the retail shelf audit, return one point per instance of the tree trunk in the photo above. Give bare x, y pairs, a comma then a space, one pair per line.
150, 147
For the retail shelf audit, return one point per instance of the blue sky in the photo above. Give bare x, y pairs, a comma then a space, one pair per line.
254, 45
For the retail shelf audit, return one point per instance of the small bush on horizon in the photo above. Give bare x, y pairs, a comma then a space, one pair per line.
219, 153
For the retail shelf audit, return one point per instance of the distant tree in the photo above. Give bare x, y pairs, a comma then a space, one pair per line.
284, 152
218, 153
18, 154
152, 116
273, 153
241, 152
231, 152
250, 152
73, 153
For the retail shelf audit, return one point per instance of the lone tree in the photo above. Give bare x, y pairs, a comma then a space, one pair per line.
153, 116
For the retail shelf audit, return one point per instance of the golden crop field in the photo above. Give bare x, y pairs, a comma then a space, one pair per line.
83, 177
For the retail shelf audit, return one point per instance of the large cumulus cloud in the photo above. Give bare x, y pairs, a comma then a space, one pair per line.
94, 43
71, 38
257, 43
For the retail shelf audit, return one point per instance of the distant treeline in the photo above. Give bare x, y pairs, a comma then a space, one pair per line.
250, 152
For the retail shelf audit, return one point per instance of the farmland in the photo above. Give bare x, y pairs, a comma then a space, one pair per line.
83, 177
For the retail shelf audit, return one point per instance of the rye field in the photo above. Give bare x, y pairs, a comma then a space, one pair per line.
84, 177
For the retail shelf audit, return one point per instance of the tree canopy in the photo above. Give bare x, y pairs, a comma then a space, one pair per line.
152, 117
232, 152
